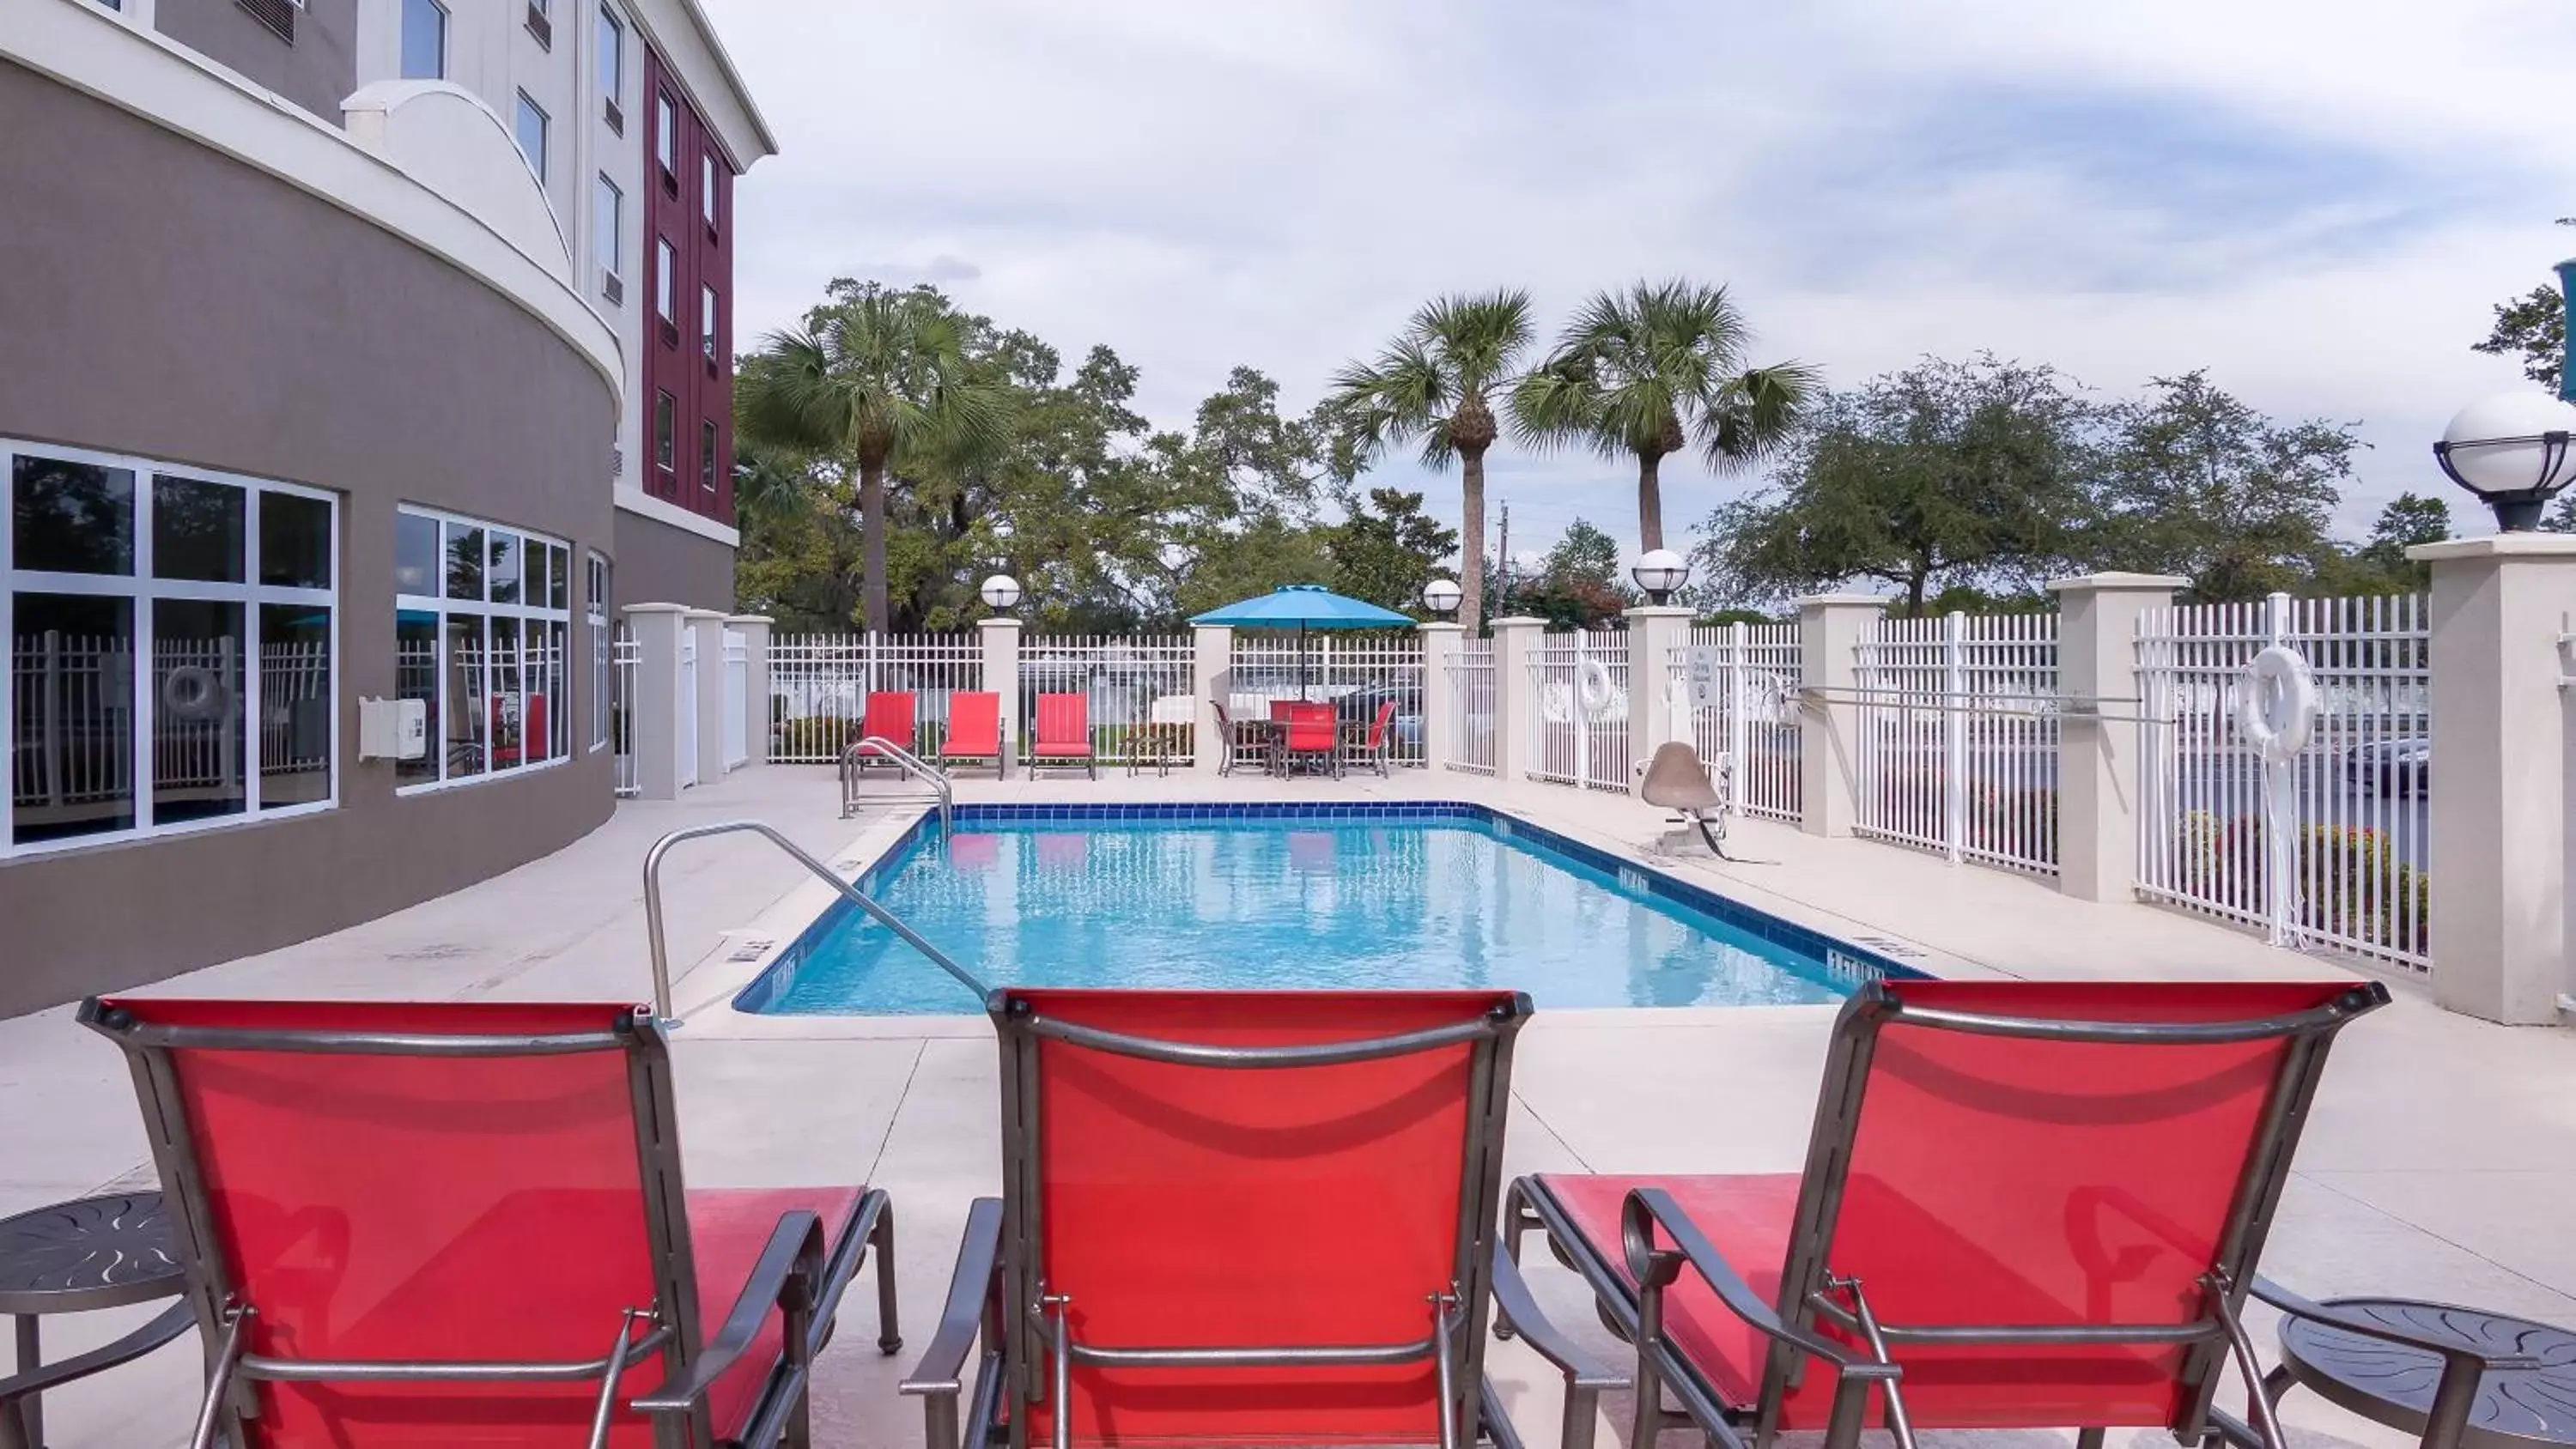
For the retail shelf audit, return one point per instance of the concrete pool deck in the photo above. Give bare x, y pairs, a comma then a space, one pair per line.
2439, 1162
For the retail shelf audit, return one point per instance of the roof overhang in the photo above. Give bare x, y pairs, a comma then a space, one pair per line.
694, 55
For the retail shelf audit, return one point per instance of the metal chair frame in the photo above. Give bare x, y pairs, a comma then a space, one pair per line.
1000, 1294
1811, 1293
793, 1274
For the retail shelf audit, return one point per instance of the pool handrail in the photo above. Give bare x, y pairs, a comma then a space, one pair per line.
943, 790
861, 899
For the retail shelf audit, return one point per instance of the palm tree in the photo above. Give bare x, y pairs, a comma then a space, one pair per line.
873, 376
1432, 381
1640, 372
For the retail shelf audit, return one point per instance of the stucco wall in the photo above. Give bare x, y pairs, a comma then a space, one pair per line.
316, 72
165, 300
660, 564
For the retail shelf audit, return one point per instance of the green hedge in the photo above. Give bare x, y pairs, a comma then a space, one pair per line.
2349, 881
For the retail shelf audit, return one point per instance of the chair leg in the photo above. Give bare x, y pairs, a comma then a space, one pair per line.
881, 1242
2090, 1438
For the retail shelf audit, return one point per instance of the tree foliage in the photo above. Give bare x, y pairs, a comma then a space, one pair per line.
1386, 549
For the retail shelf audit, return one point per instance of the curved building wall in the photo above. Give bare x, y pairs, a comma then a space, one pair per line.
164, 300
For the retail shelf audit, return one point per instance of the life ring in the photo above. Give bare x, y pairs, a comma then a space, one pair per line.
1598, 690
191, 692
2276, 708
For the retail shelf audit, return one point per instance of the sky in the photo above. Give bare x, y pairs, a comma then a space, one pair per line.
2318, 200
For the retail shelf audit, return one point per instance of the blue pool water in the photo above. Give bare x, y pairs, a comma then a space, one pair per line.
1443, 896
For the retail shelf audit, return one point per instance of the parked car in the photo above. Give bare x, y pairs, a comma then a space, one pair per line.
2391, 767
1361, 705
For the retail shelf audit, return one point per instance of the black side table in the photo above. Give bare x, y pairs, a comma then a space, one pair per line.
2512, 1382
74, 1257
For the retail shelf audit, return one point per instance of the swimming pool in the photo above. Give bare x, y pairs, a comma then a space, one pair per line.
1294, 896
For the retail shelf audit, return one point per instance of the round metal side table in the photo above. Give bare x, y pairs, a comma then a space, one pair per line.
2526, 1395
74, 1257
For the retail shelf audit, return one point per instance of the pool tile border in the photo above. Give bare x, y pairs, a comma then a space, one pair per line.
1843, 961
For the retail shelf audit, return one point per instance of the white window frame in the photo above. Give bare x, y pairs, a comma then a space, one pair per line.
707, 188
142, 589
614, 52
707, 320
666, 280
402, 26
487, 611
666, 133
608, 244
545, 134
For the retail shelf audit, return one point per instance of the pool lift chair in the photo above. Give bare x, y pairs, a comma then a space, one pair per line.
1677, 779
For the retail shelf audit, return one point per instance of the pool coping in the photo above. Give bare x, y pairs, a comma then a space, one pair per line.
707, 995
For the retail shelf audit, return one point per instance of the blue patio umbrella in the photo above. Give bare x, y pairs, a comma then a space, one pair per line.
1302, 607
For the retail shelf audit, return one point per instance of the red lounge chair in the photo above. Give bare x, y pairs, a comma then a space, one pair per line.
974, 731
2026, 1205
463, 1223
1064, 733
1313, 734
889, 718
1233, 1218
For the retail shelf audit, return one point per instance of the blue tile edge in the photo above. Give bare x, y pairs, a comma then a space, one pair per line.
1842, 960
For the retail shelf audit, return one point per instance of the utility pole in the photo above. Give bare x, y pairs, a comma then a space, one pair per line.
1504, 573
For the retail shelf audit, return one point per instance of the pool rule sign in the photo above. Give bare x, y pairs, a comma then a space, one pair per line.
1703, 676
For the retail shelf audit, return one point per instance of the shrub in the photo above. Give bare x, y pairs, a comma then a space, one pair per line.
2348, 881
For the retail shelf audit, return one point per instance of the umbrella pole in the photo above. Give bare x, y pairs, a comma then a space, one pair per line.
1302, 696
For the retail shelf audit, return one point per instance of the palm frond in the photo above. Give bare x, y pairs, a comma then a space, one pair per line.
1756, 412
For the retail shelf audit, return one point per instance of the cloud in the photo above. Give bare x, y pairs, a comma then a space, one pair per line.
2319, 200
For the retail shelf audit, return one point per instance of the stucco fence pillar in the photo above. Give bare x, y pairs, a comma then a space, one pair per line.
708, 628
1440, 641
2503, 724
755, 630
653, 714
2099, 766
1212, 680
1001, 640
1655, 632
1515, 702
1830, 627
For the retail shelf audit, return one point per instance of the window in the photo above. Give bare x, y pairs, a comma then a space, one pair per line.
541, 23
171, 647
707, 456
603, 650
612, 68
665, 280
707, 188
481, 621
665, 427
424, 40
532, 135
666, 137
707, 322
607, 233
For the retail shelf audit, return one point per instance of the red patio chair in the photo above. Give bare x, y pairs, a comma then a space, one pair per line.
1245, 740
464, 1224
1314, 734
1370, 746
974, 730
889, 718
2026, 1205
1064, 733
1233, 1218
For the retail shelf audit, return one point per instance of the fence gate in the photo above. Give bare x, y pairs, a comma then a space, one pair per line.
2329, 849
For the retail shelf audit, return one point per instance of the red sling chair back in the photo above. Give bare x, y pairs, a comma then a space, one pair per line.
974, 726
2046, 1200
888, 718
1241, 1217
387, 1207
1311, 729
1064, 724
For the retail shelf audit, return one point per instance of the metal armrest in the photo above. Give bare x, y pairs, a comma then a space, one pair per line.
785, 1278
1512, 1296
942, 1367
1648, 1207
172, 1321
2332, 1316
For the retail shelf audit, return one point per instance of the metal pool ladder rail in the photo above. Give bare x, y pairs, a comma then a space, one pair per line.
904, 760
857, 897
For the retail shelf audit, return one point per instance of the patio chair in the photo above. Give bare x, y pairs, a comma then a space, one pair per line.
888, 717
1064, 734
1233, 1218
1245, 741
1368, 747
974, 731
2025, 1205
1313, 735
464, 1223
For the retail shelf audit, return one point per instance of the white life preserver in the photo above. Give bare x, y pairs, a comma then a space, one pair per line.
2276, 707
192, 693
1597, 688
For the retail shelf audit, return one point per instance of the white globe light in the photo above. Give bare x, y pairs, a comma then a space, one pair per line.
1001, 591
2497, 444
1441, 596
1659, 571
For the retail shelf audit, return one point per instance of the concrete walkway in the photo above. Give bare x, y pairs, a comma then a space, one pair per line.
2439, 1161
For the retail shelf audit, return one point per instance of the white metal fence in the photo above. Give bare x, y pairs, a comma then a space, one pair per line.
2329, 849
1357, 673
737, 700
1138, 692
1741, 685
819, 686
1957, 725
1579, 683
621, 710
1472, 707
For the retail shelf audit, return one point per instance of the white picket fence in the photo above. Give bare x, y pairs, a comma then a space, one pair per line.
1741, 684
1579, 683
1957, 724
819, 686
1356, 673
2329, 849
1473, 707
